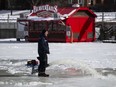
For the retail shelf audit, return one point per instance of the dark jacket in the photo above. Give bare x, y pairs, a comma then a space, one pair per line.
43, 46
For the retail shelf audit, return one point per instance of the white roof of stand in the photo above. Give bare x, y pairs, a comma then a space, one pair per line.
36, 18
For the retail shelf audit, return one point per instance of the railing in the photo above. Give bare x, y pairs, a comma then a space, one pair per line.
106, 16
9, 18
8, 25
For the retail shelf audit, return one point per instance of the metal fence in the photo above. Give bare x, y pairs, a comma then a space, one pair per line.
8, 25
8, 30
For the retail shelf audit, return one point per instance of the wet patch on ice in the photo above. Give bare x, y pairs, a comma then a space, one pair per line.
59, 68
70, 68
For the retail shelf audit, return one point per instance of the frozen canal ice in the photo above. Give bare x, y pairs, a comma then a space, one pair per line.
56, 82
71, 65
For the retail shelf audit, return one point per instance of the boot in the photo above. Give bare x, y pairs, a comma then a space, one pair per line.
47, 65
43, 75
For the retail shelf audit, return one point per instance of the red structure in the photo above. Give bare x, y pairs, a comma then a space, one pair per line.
64, 24
82, 24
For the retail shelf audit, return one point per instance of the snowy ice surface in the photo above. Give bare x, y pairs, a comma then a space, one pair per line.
87, 64
96, 54
70, 64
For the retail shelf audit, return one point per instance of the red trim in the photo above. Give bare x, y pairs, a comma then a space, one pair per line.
65, 10
49, 40
69, 10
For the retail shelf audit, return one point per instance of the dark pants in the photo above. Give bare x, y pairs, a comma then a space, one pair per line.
43, 61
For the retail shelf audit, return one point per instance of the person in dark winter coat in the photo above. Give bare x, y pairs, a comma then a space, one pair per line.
43, 50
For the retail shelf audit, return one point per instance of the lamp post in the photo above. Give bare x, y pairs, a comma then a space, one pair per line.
10, 2
11, 10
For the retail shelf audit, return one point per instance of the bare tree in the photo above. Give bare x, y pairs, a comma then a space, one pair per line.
10, 4
34, 2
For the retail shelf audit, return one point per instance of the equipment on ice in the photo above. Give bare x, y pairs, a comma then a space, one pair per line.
33, 64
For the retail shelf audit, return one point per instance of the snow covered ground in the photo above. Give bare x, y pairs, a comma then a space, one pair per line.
5, 15
90, 64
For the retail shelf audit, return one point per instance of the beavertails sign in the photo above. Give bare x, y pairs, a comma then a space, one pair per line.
45, 8
45, 11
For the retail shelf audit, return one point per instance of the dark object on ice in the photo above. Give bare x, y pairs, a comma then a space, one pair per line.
43, 75
47, 65
32, 63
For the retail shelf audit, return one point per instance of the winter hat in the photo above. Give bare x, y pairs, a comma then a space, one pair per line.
43, 31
